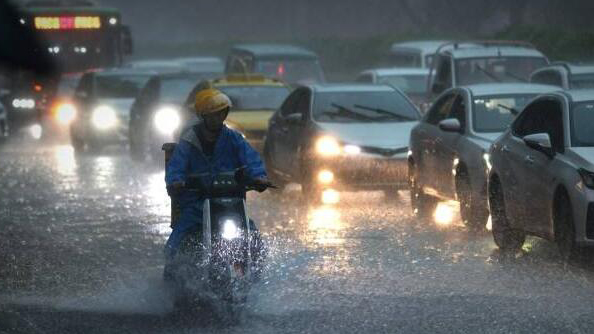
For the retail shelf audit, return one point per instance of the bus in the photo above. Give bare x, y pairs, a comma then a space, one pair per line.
78, 35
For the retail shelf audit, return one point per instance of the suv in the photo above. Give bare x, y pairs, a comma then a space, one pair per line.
460, 64
565, 75
413, 53
286, 62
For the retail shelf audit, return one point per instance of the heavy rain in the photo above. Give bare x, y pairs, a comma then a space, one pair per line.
296, 166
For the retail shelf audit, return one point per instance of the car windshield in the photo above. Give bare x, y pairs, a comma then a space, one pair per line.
363, 106
404, 59
67, 85
493, 113
496, 69
409, 84
582, 119
580, 81
302, 71
176, 90
119, 86
246, 98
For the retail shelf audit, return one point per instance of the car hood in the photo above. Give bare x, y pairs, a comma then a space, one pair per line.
121, 106
583, 156
252, 120
380, 135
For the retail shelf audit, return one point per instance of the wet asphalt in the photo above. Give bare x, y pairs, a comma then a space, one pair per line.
81, 239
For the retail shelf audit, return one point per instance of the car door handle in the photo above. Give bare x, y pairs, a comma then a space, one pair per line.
529, 159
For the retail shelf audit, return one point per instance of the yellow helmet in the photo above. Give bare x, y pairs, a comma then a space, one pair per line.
211, 100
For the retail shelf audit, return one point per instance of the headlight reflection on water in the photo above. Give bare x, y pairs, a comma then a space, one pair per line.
325, 223
445, 213
65, 160
159, 203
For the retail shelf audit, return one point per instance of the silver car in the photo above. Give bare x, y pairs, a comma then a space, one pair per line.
542, 177
341, 136
448, 147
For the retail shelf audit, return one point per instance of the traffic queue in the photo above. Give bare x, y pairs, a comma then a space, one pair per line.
492, 125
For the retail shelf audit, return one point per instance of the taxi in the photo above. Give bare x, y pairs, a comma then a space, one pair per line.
255, 98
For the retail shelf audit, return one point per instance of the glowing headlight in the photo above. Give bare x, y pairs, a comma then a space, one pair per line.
65, 113
104, 117
23, 103
325, 176
487, 160
352, 149
328, 146
167, 120
230, 229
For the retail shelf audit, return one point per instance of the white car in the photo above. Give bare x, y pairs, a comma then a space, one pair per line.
413, 53
447, 149
102, 102
542, 177
411, 81
341, 136
565, 75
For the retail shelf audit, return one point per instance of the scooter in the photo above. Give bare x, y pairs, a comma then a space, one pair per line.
219, 262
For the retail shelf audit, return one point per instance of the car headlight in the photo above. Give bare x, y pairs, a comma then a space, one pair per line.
23, 103
230, 229
167, 120
587, 177
65, 113
328, 146
104, 117
36, 131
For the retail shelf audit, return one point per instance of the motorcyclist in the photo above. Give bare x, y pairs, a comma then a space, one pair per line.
206, 148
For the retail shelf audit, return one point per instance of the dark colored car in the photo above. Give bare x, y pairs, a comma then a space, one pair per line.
158, 113
289, 63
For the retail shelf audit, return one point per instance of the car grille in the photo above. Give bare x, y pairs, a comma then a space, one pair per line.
386, 152
590, 222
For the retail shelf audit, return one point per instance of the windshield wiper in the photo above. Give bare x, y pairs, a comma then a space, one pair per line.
512, 111
489, 74
385, 112
348, 113
520, 79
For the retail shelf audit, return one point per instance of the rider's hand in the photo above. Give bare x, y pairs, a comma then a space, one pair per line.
261, 184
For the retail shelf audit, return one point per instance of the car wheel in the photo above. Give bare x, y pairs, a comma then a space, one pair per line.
505, 236
423, 205
474, 214
565, 229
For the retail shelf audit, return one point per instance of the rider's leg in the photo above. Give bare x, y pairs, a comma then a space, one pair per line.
191, 216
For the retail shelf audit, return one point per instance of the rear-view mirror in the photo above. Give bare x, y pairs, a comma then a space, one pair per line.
296, 119
540, 142
450, 125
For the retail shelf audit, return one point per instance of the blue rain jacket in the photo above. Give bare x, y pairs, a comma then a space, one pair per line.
231, 152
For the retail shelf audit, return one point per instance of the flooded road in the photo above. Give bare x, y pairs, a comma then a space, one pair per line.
81, 241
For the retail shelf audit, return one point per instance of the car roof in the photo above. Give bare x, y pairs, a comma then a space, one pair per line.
509, 88
423, 46
572, 68
580, 95
185, 74
350, 87
275, 50
124, 72
247, 80
199, 60
493, 51
398, 71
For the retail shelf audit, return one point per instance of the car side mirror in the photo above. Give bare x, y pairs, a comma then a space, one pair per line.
295, 119
540, 142
450, 125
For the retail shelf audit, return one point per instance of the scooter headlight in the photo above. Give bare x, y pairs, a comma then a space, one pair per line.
230, 229
167, 120
104, 117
